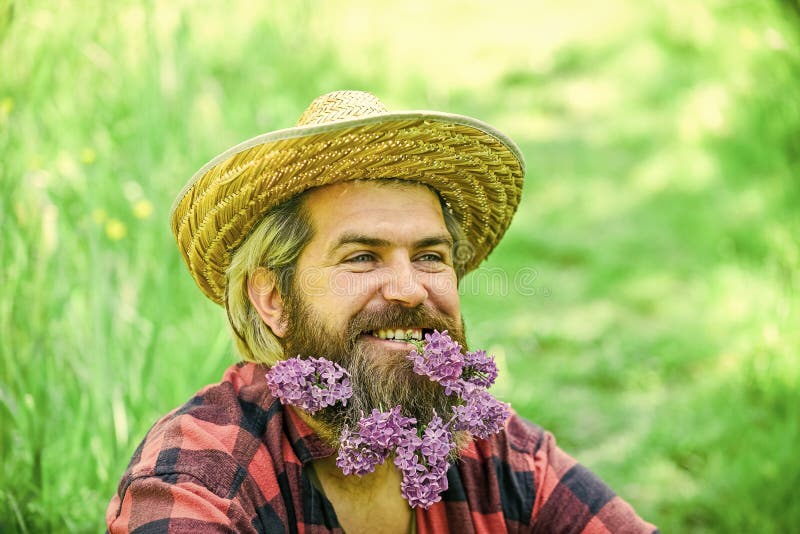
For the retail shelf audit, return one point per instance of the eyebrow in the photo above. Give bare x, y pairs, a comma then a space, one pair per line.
351, 238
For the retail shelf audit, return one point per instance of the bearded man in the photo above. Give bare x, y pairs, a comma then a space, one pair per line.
344, 238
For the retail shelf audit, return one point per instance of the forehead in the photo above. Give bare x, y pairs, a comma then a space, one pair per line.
374, 207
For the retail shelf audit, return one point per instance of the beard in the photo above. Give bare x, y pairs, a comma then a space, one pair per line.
381, 378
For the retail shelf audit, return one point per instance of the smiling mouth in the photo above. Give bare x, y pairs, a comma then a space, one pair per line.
398, 334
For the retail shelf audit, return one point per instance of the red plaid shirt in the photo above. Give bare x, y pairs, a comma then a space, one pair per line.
233, 459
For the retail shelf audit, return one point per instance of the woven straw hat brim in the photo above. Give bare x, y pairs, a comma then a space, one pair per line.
476, 169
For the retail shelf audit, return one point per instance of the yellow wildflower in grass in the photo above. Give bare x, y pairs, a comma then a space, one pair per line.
99, 215
6, 106
116, 229
88, 156
142, 209
49, 236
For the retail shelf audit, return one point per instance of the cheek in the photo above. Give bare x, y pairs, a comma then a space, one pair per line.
353, 286
443, 292
324, 285
311, 282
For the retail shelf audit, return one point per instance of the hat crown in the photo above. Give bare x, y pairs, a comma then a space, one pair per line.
341, 105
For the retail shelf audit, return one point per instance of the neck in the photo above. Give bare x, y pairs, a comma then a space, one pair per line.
370, 503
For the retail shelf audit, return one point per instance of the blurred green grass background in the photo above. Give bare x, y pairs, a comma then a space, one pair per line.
643, 306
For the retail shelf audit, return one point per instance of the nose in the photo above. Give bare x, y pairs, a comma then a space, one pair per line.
402, 284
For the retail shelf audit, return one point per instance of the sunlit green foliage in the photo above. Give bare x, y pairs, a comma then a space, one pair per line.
644, 305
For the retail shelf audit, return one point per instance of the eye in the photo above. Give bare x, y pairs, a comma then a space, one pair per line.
361, 257
429, 256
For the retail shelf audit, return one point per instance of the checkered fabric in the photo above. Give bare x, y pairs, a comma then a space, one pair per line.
233, 459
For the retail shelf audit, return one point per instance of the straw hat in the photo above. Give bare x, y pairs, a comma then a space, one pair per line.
347, 135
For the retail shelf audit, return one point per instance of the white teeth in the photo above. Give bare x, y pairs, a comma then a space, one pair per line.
398, 334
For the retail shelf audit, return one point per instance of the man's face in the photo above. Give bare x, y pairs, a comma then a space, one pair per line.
380, 261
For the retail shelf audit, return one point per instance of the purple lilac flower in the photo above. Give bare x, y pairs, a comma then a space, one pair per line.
406, 456
310, 384
423, 464
481, 415
479, 368
375, 438
356, 456
424, 487
440, 360
437, 442
386, 430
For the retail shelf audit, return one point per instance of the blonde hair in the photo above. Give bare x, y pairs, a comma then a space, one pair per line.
276, 243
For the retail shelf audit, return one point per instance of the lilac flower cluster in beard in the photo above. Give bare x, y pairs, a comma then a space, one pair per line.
310, 384
440, 360
420, 457
479, 368
376, 436
481, 414
476, 411
423, 464
421, 453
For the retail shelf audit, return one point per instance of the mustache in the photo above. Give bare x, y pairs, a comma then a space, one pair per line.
396, 316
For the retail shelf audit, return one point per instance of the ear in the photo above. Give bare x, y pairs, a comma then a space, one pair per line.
266, 300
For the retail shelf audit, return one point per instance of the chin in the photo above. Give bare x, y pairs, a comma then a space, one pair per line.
380, 350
